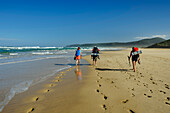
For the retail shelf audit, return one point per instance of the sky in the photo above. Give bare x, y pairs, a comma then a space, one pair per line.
64, 22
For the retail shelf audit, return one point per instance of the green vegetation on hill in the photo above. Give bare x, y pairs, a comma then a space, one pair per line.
164, 44
140, 43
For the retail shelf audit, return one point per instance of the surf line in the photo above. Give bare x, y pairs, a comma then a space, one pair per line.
22, 61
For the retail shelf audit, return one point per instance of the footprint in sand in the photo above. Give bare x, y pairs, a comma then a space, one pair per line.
47, 90
101, 77
112, 82
167, 86
51, 85
162, 91
100, 85
104, 107
97, 90
160, 80
105, 97
168, 98
131, 111
97, 81
151, 91
31, 110
133, 95
137, 84
148, 96
125, 101
141, 76
154, 83
151, 78
36, 99
167, 103
146, 85
132, 75
56, 80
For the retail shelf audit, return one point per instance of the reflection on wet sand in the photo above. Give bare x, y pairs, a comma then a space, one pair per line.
78, 73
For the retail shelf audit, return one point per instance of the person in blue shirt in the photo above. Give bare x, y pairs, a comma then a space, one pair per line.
78, 56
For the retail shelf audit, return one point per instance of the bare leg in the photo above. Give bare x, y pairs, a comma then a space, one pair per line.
134, 63
76, 62
79, 62
95, 62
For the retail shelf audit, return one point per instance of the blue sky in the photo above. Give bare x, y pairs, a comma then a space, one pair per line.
63, 22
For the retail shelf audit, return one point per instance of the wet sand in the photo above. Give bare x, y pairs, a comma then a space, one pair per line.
109, 87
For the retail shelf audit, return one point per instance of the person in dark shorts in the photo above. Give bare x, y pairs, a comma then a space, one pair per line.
135, 58
95, 55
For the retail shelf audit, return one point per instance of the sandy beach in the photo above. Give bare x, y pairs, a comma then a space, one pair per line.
109, 87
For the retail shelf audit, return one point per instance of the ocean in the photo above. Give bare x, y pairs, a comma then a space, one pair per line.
22, 67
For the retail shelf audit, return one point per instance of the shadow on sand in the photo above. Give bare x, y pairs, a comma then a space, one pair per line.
107, 69
72, 64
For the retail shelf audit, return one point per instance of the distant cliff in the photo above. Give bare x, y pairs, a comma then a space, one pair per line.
140, 43
164, 44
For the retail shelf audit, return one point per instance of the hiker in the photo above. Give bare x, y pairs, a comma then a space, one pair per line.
135, 58
95, 55
78, 56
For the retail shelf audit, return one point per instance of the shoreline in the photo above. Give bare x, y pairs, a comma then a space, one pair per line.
111, 86
60, 80
33, 77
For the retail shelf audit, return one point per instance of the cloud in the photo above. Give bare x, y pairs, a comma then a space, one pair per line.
153, 36
161, 36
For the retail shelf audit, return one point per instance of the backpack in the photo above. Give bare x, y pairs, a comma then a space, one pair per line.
95, 50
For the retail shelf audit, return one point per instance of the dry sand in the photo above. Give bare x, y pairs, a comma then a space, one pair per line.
109, 87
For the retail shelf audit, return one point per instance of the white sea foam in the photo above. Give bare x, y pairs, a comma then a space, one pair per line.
110, 48
61, 52
13, 54
33, 47
42, 53
49, 47
87, 49
62, 56
23, 86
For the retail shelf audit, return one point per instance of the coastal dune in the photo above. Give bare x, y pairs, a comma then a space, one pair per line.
109, 87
